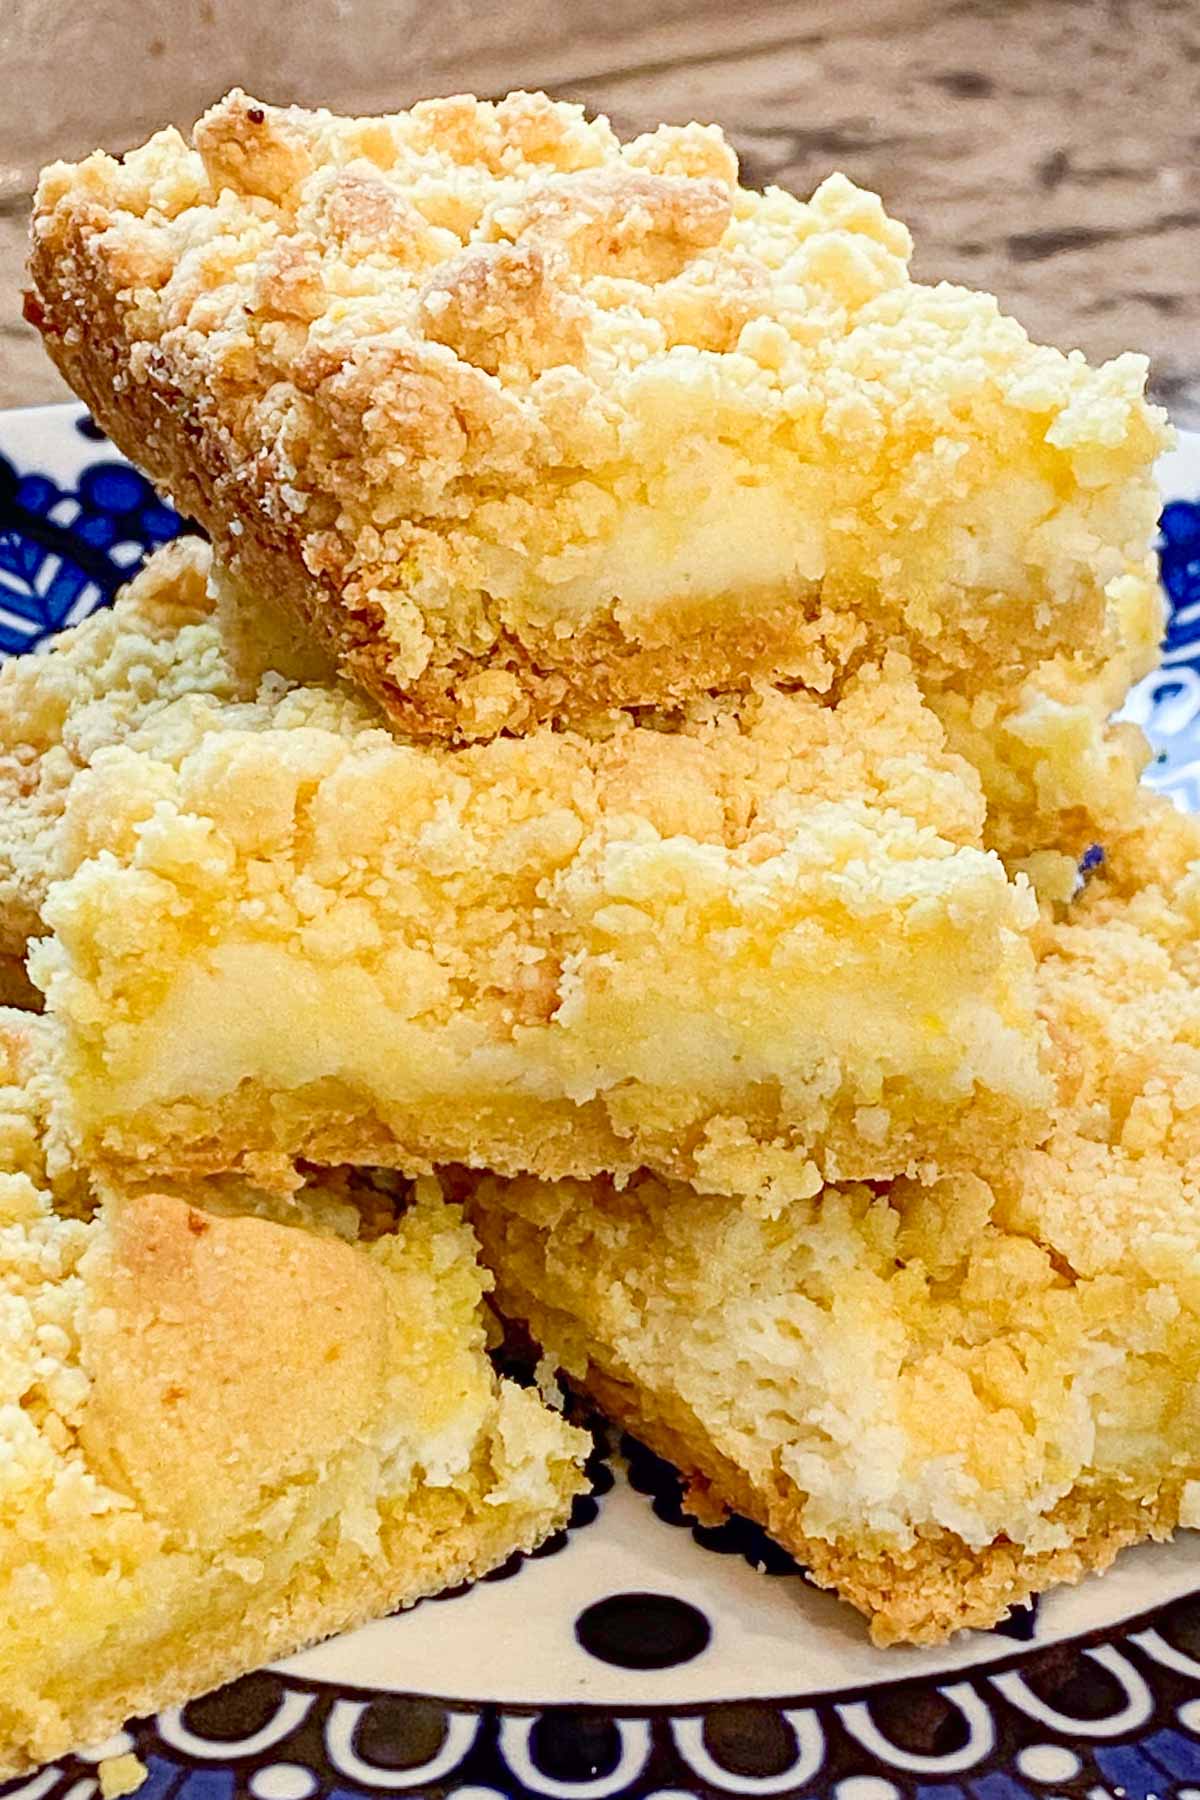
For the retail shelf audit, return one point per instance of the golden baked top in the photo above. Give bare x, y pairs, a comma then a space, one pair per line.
745, 943
525, 420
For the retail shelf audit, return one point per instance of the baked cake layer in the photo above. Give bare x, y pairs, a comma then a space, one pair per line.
752, 945
941, 1399
521, 421
229, 1428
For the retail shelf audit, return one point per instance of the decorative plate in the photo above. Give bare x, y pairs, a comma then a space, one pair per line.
640, 1654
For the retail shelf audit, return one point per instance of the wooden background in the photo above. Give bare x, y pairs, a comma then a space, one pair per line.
1047, 149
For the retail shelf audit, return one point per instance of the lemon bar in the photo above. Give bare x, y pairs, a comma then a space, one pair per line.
940, 1399
224, 1436
753, 945
521, 421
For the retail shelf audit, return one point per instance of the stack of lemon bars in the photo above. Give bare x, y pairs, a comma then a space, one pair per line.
625, 820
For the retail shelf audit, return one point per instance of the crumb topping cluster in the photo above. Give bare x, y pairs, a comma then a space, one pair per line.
508, 397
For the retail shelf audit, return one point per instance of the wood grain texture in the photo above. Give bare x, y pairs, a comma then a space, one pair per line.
1046, 149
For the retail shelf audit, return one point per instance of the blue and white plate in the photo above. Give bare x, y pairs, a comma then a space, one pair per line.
639, 1654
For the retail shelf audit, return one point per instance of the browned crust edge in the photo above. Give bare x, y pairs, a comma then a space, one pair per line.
541, 679
919, 1596
428, 1554
327, 1124
16, 989
519, 682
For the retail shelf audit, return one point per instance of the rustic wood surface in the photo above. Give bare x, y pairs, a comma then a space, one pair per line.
1047, 149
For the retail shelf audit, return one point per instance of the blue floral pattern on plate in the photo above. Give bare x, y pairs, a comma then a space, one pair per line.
65, 551
1179, 563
